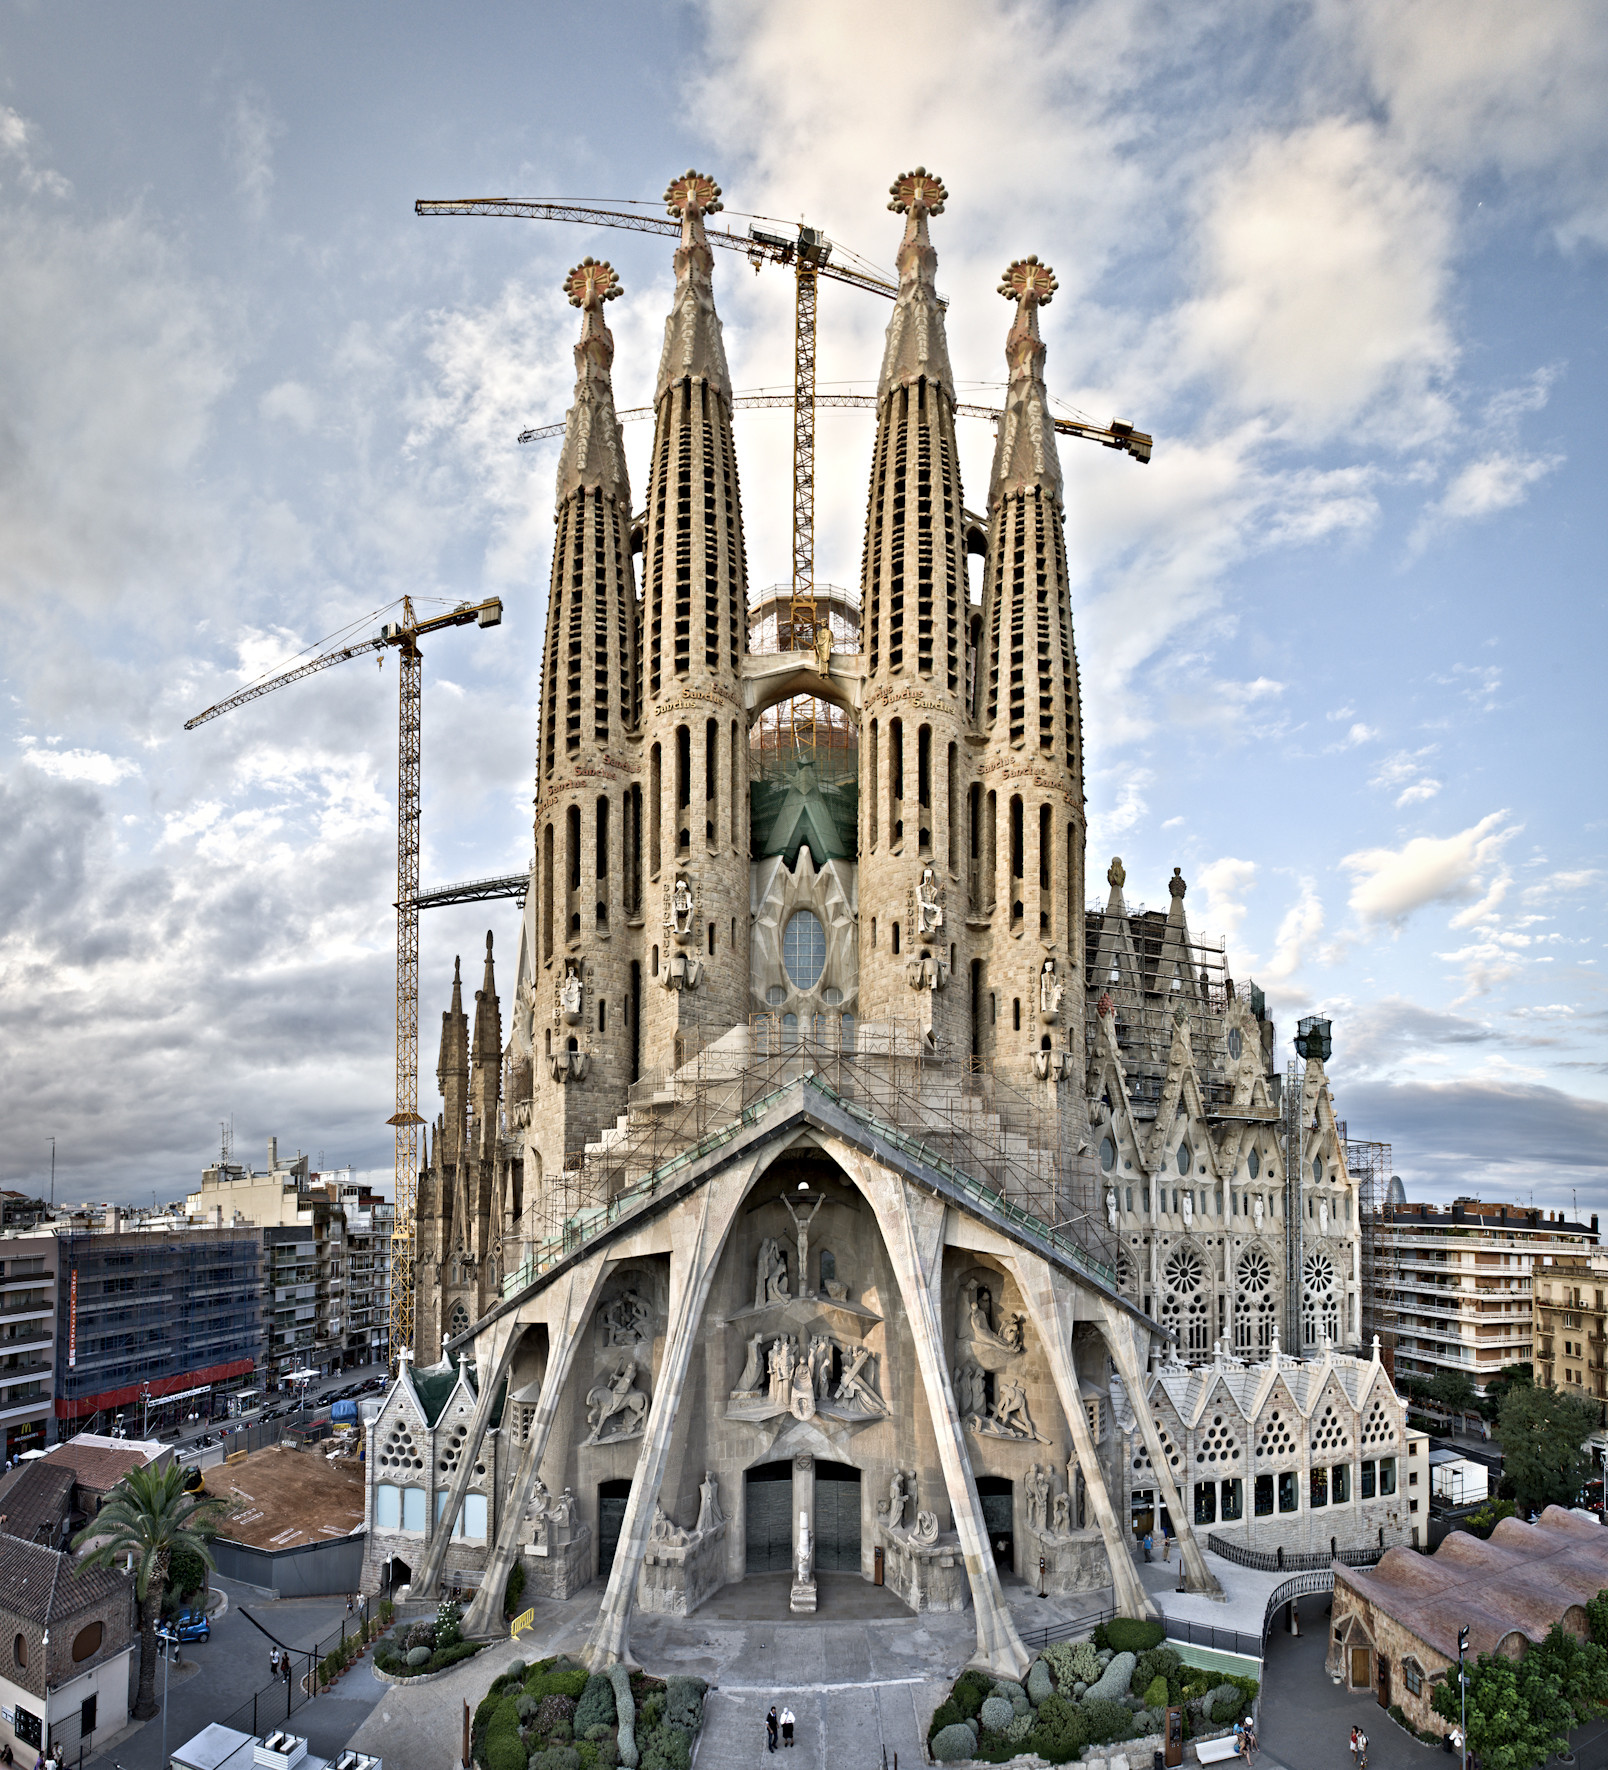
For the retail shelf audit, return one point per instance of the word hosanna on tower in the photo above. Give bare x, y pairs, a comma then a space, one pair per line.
848, 1195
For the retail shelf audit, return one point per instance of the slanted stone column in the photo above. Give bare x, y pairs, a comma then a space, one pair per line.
1049, 1301
494, 1353
912, 1226
1121, 1335
565, 1324
698, 1229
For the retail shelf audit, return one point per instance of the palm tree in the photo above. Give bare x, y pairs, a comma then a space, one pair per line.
147, 1518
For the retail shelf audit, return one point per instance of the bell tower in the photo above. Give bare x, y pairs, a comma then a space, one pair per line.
914, 760
694, 729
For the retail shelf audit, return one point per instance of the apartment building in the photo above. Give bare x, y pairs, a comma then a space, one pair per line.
27, 1340
1455, 1287
326, 1260
1571, 1325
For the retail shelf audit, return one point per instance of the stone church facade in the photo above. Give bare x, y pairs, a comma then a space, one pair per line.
846, 1195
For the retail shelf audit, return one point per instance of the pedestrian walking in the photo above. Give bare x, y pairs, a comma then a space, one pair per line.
772, 1722
1148, 1546
787, 1726
1166, 1543
273, 1664
1353, 1745
1362, 1750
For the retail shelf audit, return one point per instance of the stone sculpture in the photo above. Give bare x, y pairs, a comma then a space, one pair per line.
570, 995
616, 1399
749, 1383
926, 1530
1257, 1210
625, 1320
1063, 1514
770, 1274
898, 1499
1052, 992
929, 910
855, 1389
710, 1516
1111, 1208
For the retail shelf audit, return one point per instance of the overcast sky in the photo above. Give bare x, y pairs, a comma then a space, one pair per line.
1342, 642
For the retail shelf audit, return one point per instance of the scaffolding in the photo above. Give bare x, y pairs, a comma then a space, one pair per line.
1018, 1152
1368, 1164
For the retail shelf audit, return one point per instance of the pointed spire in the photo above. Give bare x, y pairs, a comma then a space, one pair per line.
916, 347
1025, 455
593, 456
693, 346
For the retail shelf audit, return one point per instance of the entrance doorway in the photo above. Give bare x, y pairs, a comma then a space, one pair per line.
999, 1519
1360, 1679
837, 1518
1384, 1681
611, 1498
768, 1518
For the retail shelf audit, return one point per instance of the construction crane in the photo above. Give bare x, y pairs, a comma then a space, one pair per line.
810, 255
403, 636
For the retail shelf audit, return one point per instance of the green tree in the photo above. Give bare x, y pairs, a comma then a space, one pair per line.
149, 1518
1597, 1618
1581, 1668
1543, 1433
1517, 1714
1453, 1391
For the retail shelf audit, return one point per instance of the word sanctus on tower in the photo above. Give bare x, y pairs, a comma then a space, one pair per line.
849, 1194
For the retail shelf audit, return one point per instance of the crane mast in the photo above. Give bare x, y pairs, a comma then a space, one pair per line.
402, 636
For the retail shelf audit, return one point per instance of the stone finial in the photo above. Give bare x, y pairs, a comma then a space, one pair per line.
1116, 873
690, 195
1030, 285
1376, 1348
693, 347
1176, 885
916, 347
592, 282
1025, 456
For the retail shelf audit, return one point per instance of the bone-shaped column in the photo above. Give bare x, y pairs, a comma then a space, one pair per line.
1121, 1335
912, 1226
494, 1354
1049, 1305
565, 1324
699, 1226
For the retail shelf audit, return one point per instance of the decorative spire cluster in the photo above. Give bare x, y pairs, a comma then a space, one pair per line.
593, 456
916, 347
693, 347
1025, 455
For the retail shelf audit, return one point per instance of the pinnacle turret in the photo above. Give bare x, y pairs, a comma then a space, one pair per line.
916, 346
593, 456
693, 347
1025, 453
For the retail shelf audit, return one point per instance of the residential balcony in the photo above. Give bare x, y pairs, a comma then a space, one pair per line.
13, 1306
21, 1278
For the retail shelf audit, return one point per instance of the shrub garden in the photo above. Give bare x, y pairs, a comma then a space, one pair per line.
555, 1715
424, 1646
1111, 1686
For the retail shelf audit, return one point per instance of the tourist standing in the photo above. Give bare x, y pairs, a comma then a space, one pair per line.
787, 1726
771, 1724
1148, 1546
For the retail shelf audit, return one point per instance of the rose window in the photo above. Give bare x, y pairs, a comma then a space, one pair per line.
1317, 1272
458, 1321
1184, 1270
1253, 1303
1379, 1427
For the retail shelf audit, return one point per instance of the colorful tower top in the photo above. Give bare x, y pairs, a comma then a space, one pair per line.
916, 348
1025, 454
693, 348
593, 456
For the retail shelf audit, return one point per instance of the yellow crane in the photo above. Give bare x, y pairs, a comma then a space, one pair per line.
810, 255
402, 636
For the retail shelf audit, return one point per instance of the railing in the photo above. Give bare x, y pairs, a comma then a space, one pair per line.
1279, 1561
1196, 1634
1036, 1640
1302, 1586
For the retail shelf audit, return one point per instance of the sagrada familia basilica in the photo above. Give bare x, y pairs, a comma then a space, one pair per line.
849, 1196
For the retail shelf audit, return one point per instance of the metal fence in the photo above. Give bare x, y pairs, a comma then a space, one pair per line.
1281, 1561
1196, 1634
298, 1684
1038, 1639
1304, 1585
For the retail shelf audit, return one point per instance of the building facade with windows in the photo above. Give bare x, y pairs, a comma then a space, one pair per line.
1571, 1324
1457, 1284
27, 1341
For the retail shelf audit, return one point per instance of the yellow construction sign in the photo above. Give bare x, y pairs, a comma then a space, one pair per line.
525, 1620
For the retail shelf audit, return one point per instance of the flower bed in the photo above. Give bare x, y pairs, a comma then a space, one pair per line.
1115, 1685
425, 1647
554, 1715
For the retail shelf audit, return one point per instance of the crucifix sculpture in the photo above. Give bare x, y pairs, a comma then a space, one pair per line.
802, 1225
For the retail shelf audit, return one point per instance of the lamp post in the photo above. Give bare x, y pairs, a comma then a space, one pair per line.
1462, 1689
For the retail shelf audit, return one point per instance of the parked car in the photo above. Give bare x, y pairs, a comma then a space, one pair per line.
188, 1625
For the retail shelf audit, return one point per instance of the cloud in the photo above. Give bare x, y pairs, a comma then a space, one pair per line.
1298, 930
1570, 880
1391, 884
16, 138
292, 403
94, 766
1226, 882
1325, 264
1497, 481
1358, 734
249, 137
1405, 771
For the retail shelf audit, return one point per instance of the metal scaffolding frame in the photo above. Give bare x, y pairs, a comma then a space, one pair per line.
1368, 1164
1020, 1152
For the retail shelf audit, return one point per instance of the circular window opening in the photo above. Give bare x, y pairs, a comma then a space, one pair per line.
1235, 1043
804, 949
776, 995
1253, 1164
87, 1642
832, 997
1108, 1155
1184, 1158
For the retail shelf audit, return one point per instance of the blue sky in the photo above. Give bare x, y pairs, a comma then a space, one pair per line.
1342, 642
